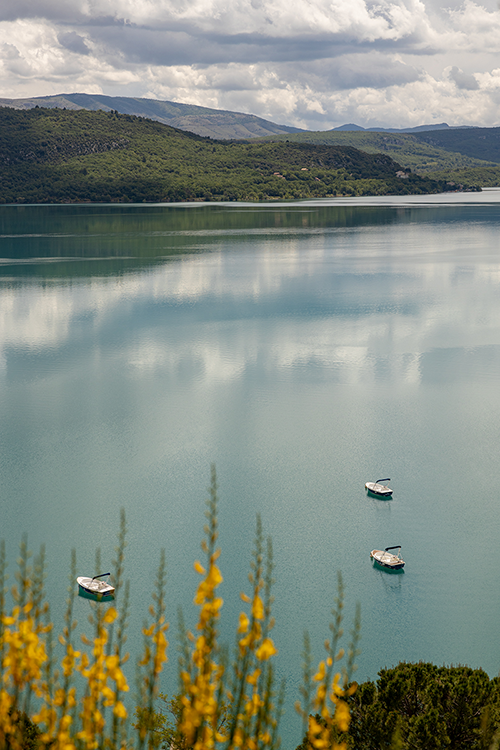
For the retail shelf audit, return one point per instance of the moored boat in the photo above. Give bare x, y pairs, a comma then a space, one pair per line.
95, 585
378, 488
387, 559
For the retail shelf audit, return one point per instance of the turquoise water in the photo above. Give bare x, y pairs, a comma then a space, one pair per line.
303, 348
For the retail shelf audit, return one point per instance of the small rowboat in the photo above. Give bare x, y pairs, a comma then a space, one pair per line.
387, 559
379, 489
95, 585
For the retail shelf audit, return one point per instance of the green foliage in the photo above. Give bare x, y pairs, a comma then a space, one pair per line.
425, 707
214, 123
425, 156
163, 722
157, 722
29, 733
476, 143
54, 156
484, 176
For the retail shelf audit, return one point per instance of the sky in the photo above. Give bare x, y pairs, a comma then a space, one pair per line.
313, 64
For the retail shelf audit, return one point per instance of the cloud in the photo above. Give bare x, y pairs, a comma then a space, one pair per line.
350, 71
166, 32
475, 29
51, 10
13, 61
313, 63
463, 80
73, 42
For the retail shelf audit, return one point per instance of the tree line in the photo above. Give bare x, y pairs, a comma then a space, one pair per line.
57, 156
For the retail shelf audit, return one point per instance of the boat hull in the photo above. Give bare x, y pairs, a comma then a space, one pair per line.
379, 490
386, 560
95, 588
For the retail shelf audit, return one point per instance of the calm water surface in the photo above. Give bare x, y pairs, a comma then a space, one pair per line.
305, 349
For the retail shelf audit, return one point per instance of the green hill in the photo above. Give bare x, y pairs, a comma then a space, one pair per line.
213, 123
464, 155
54, 155
476, 143
421, 153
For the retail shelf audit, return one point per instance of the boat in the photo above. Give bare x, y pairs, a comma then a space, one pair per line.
95, 585
378, 488
387, 559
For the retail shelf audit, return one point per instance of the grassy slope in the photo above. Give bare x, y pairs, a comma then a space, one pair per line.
52, 155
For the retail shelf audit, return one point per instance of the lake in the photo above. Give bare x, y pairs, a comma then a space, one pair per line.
304, 348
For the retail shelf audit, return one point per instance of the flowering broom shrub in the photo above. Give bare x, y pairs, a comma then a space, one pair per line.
223, 702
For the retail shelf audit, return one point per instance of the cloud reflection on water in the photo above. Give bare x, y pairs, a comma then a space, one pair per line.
281, 306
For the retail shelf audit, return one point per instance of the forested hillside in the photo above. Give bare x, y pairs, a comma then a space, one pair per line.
464, 155
408, 149
476, 143
214, 123
53, 155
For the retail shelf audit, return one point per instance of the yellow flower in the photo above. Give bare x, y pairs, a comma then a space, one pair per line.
244, 623
120, 710
342, 716
266, 650
336, 688
320, 674
252, 678
258, 608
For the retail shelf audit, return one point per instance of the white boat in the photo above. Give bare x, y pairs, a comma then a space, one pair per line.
378, 488
387, 559
95, 585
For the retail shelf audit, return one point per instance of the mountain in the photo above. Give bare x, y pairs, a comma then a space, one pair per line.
64, 156
476, 143
419, 128
433, 150
212, 123
350, 128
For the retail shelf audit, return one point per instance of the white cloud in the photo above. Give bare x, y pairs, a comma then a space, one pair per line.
313, 63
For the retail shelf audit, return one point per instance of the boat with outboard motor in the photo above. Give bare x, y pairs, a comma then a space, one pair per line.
95, 585
378, 488
387, 559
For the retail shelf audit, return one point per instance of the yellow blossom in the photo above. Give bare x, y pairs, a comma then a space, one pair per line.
120, 710
254, 676
266, 650
257, 608
320, 674
199, 568
342, 716
336, 687
244, 623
